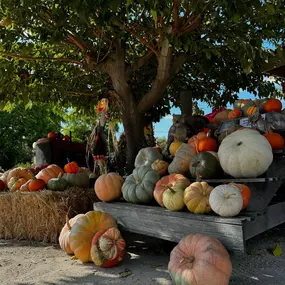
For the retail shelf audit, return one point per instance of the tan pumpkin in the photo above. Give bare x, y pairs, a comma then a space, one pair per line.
172, 198
20, 172
65, 232
196, 197
108, 187
200, 260
52, 171
160, 166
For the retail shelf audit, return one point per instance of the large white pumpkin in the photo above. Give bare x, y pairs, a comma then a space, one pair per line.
226, 200
245, 153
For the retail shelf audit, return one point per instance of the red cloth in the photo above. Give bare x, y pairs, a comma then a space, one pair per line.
212, 115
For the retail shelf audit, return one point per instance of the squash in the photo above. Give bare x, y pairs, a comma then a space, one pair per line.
160, 166
71, 167
196, 197
19, 172
172, 198
226, 200
205, 165
250, 109
52, 171
245, 153
276, 140
25, 186
147, 156
36, 185
57, 184
206, 144
139, 186
172, 180
182, 159
221, 116
200, 260
195, 139
272, 105
239, 104
108, 187
245, 193
79, 179
235, 113
83, 231
108, 248
15, 183
65, 232
174, 147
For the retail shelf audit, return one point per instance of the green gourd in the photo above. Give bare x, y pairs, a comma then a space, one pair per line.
57, 184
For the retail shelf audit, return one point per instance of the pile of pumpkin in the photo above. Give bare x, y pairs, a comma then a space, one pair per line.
51, 177
243, 154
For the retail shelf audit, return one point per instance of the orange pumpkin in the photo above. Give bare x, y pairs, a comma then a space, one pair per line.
273, 105
52, 171
15, 183
71, 167
160, 166
194, 139
65, 232
25, 187
235, 113
36, 185
245, 193
51, 135
200, 259
207, 144
108, 187
172, 180
276, 140
20, 172
108, 248
83, 231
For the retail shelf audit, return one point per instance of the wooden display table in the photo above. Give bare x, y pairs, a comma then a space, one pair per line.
265, 211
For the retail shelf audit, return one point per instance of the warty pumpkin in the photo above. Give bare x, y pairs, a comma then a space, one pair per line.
196, 197
172, 180
52, 171
245, 153
83, 231
108, 248
108, 187
146, 156
200, 260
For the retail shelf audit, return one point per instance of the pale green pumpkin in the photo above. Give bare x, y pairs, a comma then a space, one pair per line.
146, 156
57, 184
78, 179
139, 186
173, 198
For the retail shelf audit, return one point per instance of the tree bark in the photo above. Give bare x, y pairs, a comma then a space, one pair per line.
186, 103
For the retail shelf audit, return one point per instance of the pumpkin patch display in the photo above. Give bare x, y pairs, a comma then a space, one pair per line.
245, 193
139, 186
79, 179
226, 200
272, 105
65, 232
205, 165
276, 140
108, 248
200, 260
147, 156
52, 171
172, 180
245, 153
174, 147
160, 166
196, 197
108, 187
57, 184
172, 198
83, 231
71, 167
182, 159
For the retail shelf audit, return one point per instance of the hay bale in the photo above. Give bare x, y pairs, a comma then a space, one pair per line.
40, 216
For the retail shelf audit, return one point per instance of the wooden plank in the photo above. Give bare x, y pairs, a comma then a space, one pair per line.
241, 180
272, 217
173, 226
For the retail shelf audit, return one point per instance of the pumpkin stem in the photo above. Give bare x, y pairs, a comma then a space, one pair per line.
67, 222
171, 189
195, 164
187, 259
198, 177
239, 143
227, 196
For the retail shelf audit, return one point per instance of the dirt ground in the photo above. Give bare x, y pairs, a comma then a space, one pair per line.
23, 263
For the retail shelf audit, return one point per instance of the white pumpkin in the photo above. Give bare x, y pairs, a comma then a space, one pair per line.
226, 200
245, 153
146, 156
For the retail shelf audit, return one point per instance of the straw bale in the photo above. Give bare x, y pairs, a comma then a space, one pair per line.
40, 216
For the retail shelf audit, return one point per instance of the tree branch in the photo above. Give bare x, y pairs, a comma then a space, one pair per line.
176, 15
74, 93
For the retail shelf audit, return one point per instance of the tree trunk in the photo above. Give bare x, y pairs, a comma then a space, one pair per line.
186, 103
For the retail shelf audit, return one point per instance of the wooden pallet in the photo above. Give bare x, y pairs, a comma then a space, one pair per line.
232, 232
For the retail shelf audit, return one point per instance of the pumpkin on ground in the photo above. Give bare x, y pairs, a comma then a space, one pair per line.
182, 159
172, 198
245, 153
83, 231
15, 183
52, 171
20, 172
174, 147
272, 105
65, 232
226, 200
139, 186
71, 167
172, 180
200, 260
146, 156
108, 248
79, 179
196, 197
36, 185
235, 113
57, 184
245, 193
207, 144
108, 187
160, 166
276, 140
205, 165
